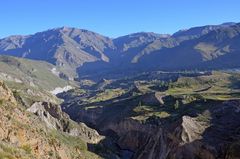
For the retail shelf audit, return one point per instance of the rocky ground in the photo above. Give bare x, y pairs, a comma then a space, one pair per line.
48, 133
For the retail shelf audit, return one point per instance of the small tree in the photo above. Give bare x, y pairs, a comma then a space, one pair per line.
176, 105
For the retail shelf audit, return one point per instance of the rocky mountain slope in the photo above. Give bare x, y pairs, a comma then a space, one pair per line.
199, 31
38, 74
66, 47
80, 52
48, 134
217, 49
33, 80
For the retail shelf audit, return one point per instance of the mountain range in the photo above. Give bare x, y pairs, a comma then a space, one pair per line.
68, 93
82, 53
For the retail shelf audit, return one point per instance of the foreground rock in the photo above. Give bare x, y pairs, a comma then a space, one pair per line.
23, 135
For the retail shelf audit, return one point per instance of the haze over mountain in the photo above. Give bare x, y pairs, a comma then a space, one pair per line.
81, 53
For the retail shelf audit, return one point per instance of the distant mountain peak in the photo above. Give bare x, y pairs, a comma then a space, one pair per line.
79, 50
199, 31
228, 23
145, 34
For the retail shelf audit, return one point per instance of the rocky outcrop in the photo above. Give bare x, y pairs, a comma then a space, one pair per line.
23, 135
54, 118
6, 94
152, 99
196, 137
60, 90
15, 133
191, 129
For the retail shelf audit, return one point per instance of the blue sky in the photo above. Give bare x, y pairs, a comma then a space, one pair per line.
114, 18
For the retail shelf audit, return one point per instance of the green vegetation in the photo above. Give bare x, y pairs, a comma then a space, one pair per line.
11, 152
176, 105
8, 150
219, 86
106, 95
26, 94
27, 148
70, 141
143, 112
75, 144
169, 97
33, 73
30, 80
5, 155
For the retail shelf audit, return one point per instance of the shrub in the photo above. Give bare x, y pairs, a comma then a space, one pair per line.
176, 105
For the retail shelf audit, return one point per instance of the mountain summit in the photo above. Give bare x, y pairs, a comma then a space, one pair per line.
80, 52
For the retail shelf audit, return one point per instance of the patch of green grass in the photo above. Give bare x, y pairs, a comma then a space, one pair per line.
218, 86
143, 112
71, 141
5, 155
38, 71
143, 109
106, 95
162, 114
27, 148
8, 149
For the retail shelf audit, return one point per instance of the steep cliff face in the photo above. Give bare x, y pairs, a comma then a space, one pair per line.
212, 134
54, 118
145, 140
24, 135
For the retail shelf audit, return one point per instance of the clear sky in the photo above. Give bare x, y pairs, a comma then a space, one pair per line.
114, 17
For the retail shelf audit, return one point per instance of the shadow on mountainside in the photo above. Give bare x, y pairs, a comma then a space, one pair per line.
221, 140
